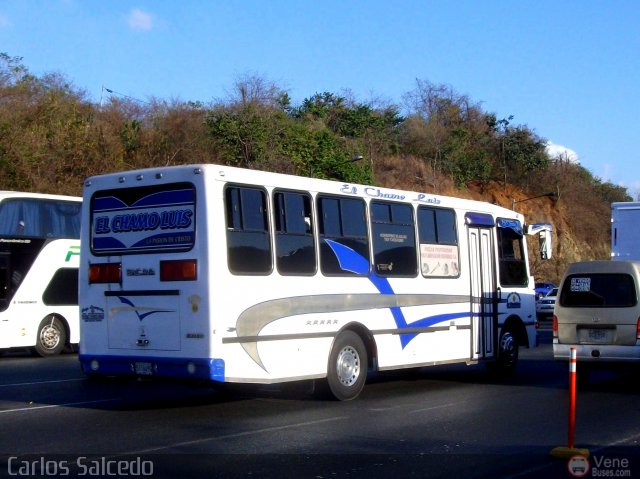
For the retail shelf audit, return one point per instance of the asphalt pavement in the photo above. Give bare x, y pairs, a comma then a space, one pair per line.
445, 421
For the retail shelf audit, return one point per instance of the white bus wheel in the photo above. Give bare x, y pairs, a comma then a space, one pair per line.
51, 338
347, 370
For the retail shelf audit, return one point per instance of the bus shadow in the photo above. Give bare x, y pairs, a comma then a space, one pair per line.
537, 372
617, 378
536, 369
131, 394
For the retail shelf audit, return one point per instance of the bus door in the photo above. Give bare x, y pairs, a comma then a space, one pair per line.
16, 258
5, 280
482, 268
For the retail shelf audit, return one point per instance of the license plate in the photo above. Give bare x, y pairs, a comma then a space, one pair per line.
144, 369
597, 334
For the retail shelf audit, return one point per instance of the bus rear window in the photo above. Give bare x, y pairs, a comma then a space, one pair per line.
143, 220
610, 290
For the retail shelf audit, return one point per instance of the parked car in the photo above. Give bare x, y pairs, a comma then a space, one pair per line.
545, 305
543, 288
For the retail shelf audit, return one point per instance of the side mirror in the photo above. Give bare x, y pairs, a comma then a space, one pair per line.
543, 230
545, 244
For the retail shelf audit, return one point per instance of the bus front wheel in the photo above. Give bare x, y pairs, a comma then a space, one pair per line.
52, 337
507, 353
347, 369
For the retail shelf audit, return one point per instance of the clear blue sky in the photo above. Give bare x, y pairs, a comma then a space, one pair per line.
569, 70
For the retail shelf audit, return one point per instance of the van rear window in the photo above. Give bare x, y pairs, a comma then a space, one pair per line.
605, 290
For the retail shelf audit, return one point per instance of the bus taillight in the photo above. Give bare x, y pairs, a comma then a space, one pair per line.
179, 270
105, 273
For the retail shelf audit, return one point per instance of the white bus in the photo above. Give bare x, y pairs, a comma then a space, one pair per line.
39, 258
625, 237
233, 275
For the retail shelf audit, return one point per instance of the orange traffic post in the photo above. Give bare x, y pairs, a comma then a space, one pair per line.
571, 450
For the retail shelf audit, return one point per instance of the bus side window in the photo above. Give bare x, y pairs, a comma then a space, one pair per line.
393, 237
295, 245
248, 240
511, 257
11, 218
343, 221
63, 219
62, 290
438, 237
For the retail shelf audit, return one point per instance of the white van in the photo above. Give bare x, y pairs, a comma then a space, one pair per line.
597, 312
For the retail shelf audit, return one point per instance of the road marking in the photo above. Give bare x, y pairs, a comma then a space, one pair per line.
240, 434
35, 383
451, 404
49, 406
406, 406
633, 437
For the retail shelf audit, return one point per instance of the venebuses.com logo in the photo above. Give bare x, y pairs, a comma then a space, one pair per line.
599, 466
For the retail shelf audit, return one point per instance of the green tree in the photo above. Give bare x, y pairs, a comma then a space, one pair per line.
448, 131
524, 152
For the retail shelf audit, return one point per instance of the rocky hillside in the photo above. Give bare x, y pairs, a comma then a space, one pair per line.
52, 137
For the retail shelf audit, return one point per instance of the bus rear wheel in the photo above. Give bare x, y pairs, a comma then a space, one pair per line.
347, 369
52, 337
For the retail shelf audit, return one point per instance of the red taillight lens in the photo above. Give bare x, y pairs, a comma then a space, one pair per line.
638, 329
554, 326
179, 270
105, 273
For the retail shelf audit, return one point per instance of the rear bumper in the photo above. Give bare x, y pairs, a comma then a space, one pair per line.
160, 367
597, 352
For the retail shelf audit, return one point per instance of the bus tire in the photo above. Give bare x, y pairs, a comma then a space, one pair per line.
347, 368
52, 337
507, 352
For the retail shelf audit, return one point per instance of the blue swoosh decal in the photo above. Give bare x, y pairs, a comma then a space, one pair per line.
128, 302
348, 259
351, 260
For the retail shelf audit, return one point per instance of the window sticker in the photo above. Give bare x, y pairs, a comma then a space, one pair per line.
439, 260
580, 285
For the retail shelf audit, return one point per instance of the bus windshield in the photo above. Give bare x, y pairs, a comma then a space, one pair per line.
39, 218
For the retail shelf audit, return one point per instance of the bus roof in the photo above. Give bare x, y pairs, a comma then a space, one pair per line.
5, 194
281, 180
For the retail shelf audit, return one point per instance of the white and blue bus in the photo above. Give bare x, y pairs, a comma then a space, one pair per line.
39, 258
233, 275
